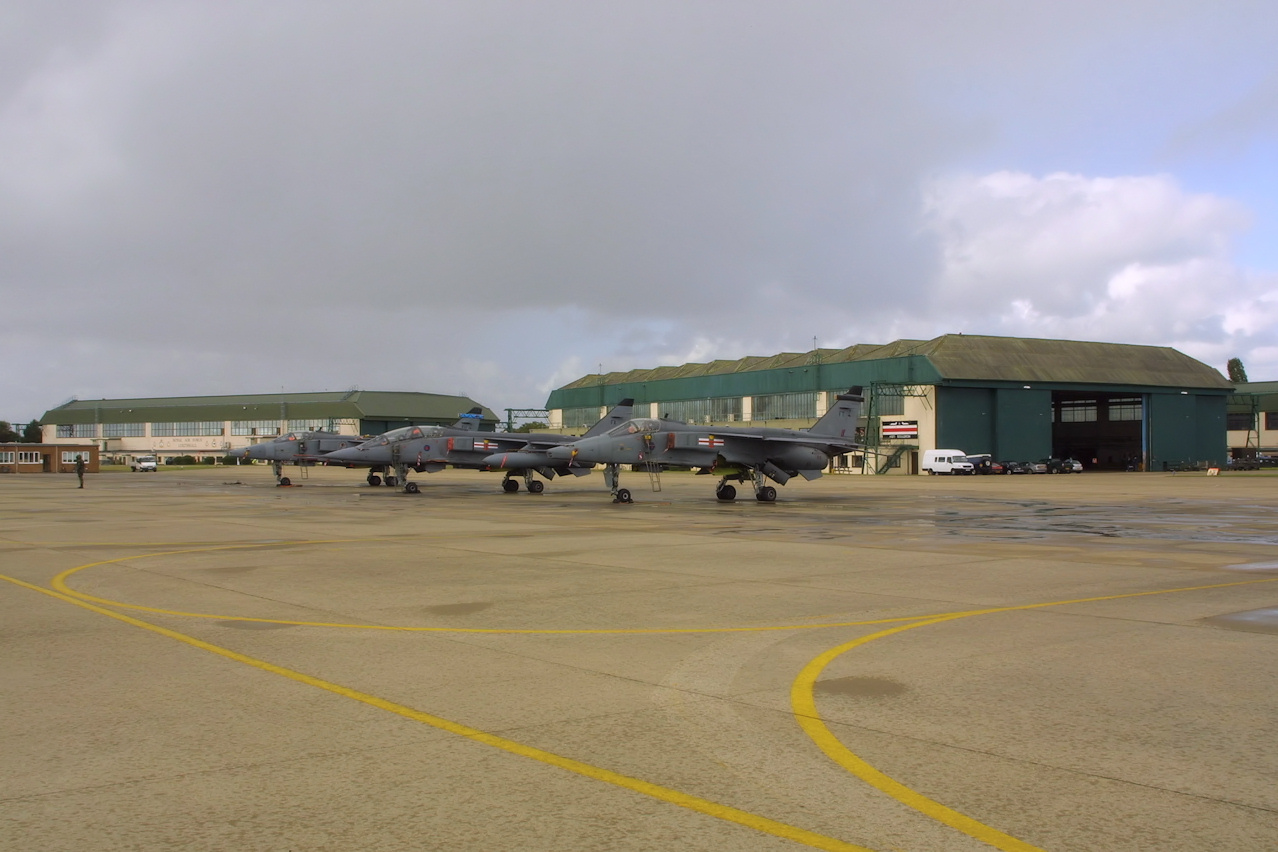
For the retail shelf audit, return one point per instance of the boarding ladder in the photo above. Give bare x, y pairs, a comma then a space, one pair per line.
654, 474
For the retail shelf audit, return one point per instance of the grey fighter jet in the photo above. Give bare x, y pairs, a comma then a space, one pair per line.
733, 453
429, 449
301, 448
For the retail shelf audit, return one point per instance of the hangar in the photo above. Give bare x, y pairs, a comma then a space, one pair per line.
1252, 420
203, 426
1110, 405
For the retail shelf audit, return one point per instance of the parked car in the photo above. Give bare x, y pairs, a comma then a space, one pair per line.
1073, 466
983, 463
1055, 465
1016, 467
145, 463
946, 461
1038, 466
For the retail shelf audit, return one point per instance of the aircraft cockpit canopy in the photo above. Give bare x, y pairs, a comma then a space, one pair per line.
636, 426
407, 433
289, 437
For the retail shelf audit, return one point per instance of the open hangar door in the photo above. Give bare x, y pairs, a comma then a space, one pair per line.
1102, 430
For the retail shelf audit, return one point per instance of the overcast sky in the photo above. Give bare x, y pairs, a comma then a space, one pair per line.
496, 198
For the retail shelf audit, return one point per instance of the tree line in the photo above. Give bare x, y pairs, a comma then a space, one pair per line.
30, 433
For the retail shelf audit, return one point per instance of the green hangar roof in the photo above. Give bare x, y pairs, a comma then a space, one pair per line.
950, 359
1012, 359
1254, 396
357, 405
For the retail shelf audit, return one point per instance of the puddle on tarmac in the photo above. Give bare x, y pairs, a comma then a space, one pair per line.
1253, 566
457, 609
1252, 621
860, 687
255, 625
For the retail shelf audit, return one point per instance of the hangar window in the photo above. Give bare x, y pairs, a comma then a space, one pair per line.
255, 427
312, 425
123, 430
1076, 411
785, 406
6, 458
721, 410
888, 401
1127, 408
78, 430
186, 430
29, 458
69, 458
1271, 420
1244, 422
575, 418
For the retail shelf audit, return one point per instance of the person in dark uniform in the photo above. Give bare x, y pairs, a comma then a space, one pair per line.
79, 468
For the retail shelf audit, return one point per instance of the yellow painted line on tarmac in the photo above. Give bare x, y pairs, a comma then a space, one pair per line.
656, 791
803, 705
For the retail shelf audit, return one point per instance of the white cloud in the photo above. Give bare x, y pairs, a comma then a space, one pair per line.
1132, 259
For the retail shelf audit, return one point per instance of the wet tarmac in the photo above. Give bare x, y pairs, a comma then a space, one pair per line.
202, 661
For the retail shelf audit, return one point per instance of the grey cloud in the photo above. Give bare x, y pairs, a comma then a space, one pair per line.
195, 190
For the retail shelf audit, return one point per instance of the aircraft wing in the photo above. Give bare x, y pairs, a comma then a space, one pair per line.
811, 441
544, 444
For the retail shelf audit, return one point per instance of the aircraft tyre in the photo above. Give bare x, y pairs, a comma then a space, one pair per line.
766, 494
374, 480
726, 493
285, 481
536, 487
623, 496
390, 481
411, 488
510, 486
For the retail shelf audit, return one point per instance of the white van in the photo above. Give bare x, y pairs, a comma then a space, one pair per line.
946, 461
145, 463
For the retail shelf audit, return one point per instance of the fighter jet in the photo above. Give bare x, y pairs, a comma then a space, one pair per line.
734, 453
302, 448
429, 449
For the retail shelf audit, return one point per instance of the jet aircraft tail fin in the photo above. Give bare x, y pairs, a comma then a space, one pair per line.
619, 414
840, 421
469, 421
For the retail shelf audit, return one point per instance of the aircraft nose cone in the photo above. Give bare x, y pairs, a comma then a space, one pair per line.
239, 453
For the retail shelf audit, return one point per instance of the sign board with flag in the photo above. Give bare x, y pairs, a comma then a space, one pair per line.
900, 429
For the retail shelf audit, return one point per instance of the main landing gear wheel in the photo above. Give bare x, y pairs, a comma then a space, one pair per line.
766, 494
623, 496
510, 486
726, 493
285, 481
411, 488
374, 480
390, 481
536, 487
